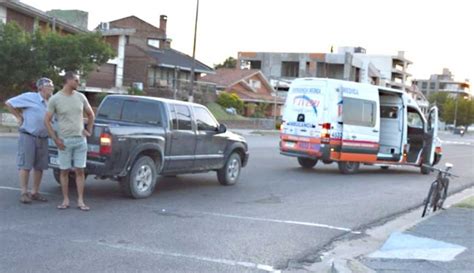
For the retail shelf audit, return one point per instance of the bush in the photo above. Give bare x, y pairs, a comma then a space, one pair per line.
228, 100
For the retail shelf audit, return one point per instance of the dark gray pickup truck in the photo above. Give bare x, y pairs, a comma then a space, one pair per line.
136, 139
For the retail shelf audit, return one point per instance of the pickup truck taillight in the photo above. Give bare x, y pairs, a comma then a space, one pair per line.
105, 144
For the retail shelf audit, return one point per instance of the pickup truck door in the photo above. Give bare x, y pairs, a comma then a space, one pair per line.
361, 125
210, 144
431, 133
183, 140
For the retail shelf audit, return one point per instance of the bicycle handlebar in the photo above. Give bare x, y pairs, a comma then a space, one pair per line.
441, 171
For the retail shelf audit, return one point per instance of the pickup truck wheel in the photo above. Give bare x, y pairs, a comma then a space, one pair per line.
348, 167
141, 181
230, 173
72, 177
307, 163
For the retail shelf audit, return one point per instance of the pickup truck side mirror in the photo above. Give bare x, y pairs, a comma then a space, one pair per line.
222, 129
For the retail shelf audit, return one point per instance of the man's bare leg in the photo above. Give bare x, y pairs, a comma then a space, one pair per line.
24, 177
64, 177
80, 182
37, 176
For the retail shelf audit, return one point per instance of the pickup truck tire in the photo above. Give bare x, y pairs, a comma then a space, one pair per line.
230, 173
140, 182
72, 177
348, 167
307, 163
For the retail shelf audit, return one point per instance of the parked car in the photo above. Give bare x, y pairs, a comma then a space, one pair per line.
135, 139
353, 123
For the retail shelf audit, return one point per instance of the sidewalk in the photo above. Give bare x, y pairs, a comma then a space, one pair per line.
441, 243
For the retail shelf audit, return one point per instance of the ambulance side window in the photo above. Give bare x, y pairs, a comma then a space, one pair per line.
359, 112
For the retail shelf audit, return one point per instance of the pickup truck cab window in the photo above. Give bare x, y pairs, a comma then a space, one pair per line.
142, 112
184, 117
111, 109
204, 120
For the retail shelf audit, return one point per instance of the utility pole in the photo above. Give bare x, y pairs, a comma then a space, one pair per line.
193, 66
275, 103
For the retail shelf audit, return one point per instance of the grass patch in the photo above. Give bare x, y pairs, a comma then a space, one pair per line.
221, 114
466, 203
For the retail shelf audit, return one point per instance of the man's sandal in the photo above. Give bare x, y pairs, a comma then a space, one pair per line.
84, 208
62, 206
38, 197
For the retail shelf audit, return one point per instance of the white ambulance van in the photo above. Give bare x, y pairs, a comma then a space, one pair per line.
352, 123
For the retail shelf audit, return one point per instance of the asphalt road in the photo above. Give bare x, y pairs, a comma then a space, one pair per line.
277, 217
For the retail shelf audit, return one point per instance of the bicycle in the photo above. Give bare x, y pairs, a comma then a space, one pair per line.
438, 191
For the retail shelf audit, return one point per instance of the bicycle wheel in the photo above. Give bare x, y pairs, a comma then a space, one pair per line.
443, 192
431, 200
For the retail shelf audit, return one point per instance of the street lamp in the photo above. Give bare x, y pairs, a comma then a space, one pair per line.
193, 66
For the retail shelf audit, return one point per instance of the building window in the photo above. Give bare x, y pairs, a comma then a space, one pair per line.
255, 65
152, 77
250, 64
290, 69
153, 43
432, 85
424, 85
256, 84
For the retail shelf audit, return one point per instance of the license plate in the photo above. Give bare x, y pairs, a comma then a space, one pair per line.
54, 160
93, 148
290, 144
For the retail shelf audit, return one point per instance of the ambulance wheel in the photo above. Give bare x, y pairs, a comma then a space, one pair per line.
307, 163
348, 167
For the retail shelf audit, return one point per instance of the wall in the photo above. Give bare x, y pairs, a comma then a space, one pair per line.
24, 21
382, 63
143, 31
103, 77
252, 124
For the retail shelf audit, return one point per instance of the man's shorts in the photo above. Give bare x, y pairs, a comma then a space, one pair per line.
32, 152
75, 153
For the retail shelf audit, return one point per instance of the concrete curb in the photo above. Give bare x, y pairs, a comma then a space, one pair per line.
343, 256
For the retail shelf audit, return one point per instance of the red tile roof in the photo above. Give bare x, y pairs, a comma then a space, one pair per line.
228, 76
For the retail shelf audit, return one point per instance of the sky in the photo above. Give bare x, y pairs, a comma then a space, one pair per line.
434, 34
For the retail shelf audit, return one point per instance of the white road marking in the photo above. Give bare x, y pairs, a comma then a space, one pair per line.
456, 142
281, 221
146, 250
18, 189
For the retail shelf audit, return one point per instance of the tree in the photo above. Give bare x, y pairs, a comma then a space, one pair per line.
465, 116
439, 99
24, 56
228, 100
228, 63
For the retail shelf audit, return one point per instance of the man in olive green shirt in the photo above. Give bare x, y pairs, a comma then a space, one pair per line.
69, 106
